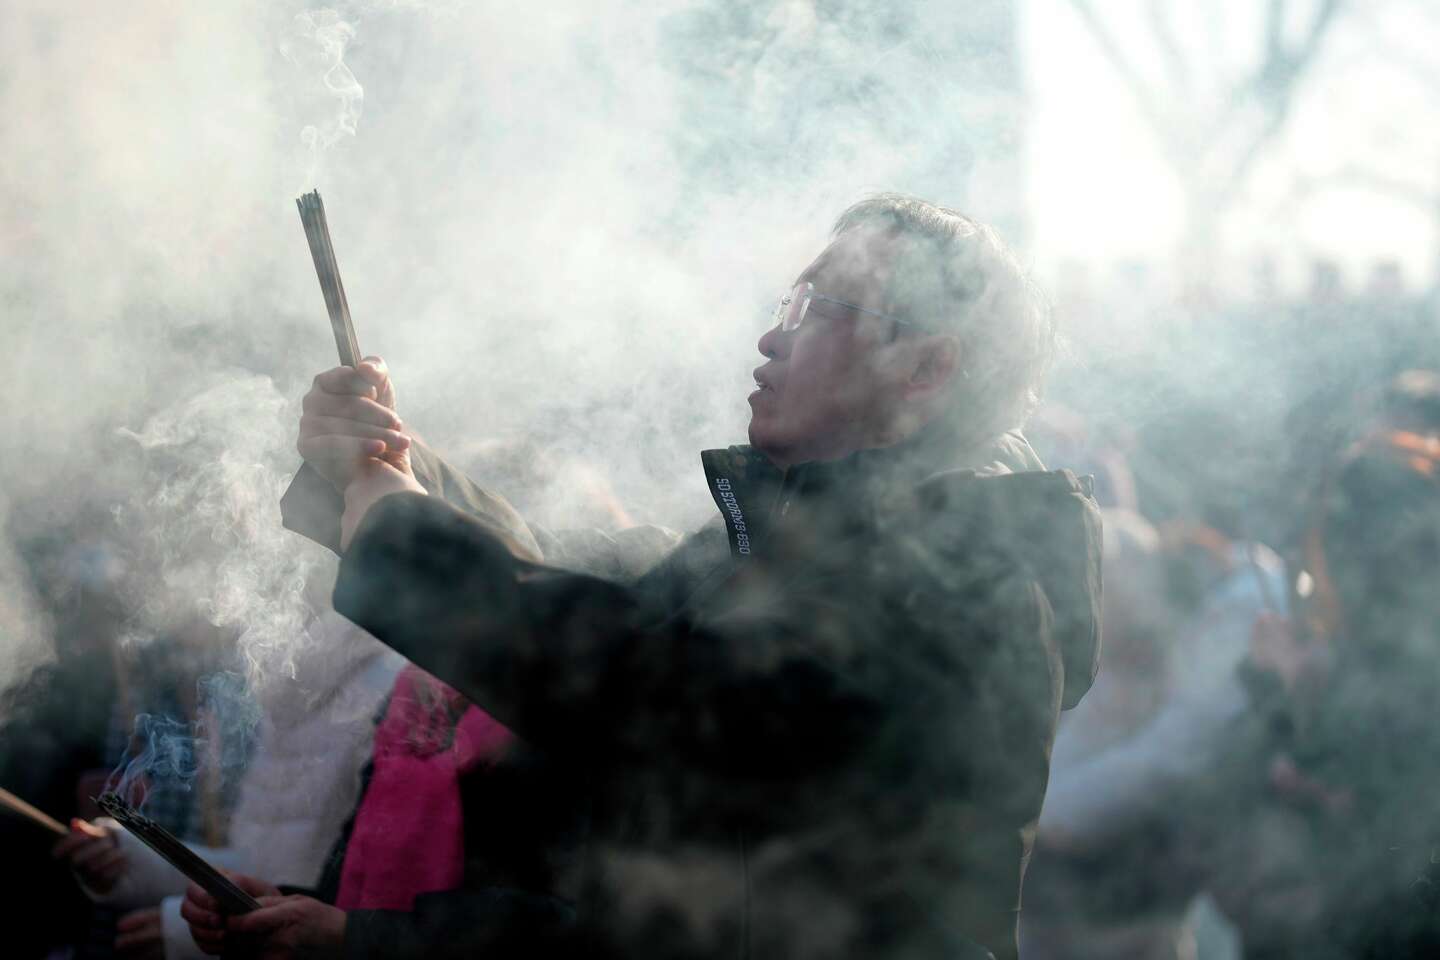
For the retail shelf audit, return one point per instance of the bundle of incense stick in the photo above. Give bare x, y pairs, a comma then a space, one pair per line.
232, 899
38, 817
317, 231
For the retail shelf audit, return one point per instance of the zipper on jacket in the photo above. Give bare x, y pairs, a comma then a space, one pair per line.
745, 915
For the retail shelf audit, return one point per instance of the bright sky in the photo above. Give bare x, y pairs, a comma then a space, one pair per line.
1100, 190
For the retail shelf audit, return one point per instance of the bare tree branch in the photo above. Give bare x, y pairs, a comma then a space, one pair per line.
1274, 85
1214, 165
1324, 17
1274, 31
1216, 34
1140, 89
1353, 175
1175, 62
1276, 73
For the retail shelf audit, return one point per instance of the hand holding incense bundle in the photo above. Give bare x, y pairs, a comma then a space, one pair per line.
231, 898
35, 816
317, 231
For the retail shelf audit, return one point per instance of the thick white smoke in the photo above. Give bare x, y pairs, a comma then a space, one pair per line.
24, 627
317, 46
210, 525
563, 229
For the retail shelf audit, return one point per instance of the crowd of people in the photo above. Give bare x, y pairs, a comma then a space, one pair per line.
864, 710
1257, 747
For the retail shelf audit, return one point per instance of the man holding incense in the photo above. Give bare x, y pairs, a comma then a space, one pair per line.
831, 736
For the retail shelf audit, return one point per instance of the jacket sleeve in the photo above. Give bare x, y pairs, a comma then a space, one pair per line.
495, 923
766, 684
312, 507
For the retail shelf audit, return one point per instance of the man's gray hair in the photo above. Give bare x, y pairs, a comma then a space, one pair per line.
956, 275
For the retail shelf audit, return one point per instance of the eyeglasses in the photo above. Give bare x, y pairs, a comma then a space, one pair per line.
794, 307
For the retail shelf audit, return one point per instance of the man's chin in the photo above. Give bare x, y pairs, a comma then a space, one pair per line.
765, 438
756, 433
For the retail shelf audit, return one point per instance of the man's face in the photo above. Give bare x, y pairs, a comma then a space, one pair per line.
825, 392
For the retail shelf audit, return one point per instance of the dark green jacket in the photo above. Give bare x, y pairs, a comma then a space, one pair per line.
833, 742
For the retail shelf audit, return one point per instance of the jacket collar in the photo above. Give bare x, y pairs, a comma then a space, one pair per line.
750, 491
746, 487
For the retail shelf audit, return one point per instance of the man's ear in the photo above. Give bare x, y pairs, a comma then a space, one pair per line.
936, 364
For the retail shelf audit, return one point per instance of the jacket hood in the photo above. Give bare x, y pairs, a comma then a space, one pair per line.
1051, 524
1048, 523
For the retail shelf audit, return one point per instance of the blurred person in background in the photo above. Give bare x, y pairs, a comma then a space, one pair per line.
463, 836
56, 724
775, 731
1122, 853
1343, 725
293, 797
457, 847
77, 721
153, 757
1079, 902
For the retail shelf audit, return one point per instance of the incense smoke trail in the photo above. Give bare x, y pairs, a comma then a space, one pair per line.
317, 44
212, 525
214, 545
172, 754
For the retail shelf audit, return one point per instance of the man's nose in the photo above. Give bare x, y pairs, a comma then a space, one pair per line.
774, 343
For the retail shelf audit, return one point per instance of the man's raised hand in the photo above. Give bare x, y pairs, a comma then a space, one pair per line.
349, 417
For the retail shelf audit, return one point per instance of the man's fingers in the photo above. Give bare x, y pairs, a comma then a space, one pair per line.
138, 929
200, 908
332, 447
345, 380
201, 898
125, 941
87, 851
82, 834
213, 944
199, 917
64, 849
252, 885
258, 922
111, 871
363, 409
109, 868
316, 426
92, 854
375, 370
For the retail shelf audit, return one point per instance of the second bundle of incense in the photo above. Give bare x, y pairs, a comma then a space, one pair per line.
317, 232
36, 816
231, 898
